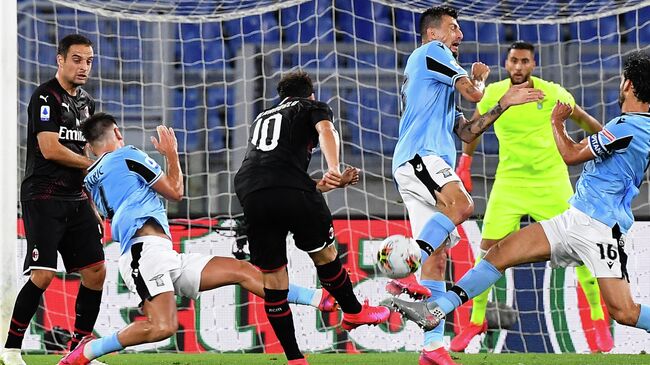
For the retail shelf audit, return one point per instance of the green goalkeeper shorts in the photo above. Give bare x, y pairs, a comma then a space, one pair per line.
509, 202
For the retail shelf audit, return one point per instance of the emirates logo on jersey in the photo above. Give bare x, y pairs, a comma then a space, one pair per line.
35, 254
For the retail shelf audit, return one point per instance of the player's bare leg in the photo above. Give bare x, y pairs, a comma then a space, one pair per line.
619, 301
222, 271
335, 279
161, 323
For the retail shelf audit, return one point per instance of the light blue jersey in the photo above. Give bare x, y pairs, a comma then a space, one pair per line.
611, 181
120, 185
428, 105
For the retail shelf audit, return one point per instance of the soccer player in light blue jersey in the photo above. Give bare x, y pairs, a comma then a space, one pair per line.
592, 231
125, 183
425, 154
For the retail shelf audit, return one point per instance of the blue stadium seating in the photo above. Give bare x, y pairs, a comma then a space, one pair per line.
130, 48
638, 22
252, 30
406, 26
308, 21
469, 30
544, 33
604, 30
186, 119
215, 104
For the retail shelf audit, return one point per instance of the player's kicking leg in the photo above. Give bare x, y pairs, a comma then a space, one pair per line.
525, 246
222, 271
335, 278
621, 305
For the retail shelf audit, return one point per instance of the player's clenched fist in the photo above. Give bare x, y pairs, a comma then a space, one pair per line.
480, 71
561, 112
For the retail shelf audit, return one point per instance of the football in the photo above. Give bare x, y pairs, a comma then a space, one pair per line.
398, 256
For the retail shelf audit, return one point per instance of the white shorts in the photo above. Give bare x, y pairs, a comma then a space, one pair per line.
416, 182
577, 239
152, 267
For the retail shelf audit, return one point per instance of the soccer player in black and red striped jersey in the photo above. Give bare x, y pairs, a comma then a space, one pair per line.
56, 211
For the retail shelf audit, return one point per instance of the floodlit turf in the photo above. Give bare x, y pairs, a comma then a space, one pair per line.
343, 359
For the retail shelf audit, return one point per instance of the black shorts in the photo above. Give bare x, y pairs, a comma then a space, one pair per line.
69, 227
272, 213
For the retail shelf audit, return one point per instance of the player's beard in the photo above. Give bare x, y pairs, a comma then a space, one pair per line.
525, 80
621, 99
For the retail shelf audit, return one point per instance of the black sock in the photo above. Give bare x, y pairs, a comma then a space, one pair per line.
279, 315
87, 310
335, 280
26, 305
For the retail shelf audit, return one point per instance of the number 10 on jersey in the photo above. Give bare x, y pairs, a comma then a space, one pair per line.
260, 138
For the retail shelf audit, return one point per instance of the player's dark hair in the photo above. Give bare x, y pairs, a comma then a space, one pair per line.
96, 126
432, 17
297, 84
70, 40
521, 45
637, 69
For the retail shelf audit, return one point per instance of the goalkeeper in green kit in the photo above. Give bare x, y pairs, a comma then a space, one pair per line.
531, 178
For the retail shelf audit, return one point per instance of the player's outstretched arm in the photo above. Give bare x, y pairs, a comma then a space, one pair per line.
518, 94
170, 185
572, 153
472, 89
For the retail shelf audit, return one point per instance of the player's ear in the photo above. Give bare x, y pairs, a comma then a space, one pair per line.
312, 97
118, 135
59, 60
627, 85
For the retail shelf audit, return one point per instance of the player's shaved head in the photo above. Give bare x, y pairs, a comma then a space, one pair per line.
97, 127
296, 84
637, 69
432, 17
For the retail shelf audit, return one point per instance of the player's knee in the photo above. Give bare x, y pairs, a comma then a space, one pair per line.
163, 330
93, 277
42, 278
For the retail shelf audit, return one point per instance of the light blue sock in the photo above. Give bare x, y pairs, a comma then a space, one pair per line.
473, 283
644, 318
102, 346
438, 288
435, 232
300, 295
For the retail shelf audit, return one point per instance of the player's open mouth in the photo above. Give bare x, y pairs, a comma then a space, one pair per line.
455, 44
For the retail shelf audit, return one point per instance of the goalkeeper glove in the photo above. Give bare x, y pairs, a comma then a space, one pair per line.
463, 171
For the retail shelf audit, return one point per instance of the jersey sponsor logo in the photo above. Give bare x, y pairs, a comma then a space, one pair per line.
35, 255
43, 97
158, 280
610, 264
419, 167
66, 106
45, 113
71, 134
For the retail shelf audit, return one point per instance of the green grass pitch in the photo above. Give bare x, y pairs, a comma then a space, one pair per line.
355, 359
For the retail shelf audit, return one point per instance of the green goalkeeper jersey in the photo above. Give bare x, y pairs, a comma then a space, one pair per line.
527, 150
